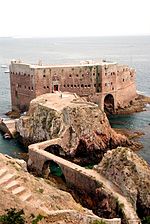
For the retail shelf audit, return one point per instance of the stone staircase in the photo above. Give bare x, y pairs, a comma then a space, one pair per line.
8, 182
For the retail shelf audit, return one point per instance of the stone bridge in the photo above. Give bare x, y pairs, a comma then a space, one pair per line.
79, 177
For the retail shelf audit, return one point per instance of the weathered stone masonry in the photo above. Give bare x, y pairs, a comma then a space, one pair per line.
102, 83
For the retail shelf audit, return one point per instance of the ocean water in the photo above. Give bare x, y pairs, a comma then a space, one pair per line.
133, 51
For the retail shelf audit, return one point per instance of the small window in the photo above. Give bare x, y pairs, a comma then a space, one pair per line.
105, 84
85, 86
68, 85
32, 88
123, 80
25, 87
89, 85
70, 75
24, 74
47, 87
75, 86
29, 87
44, 76
78, 85
44, 87
111, 83
106, 73
82, 85
64, 85
98, 74
77, 75
93, 73
28, 74
94, 85
71, 86
82, 75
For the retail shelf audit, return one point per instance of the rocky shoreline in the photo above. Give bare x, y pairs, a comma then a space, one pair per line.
137, 105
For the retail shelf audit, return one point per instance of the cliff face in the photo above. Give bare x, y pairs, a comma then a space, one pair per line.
82, 127
131, 174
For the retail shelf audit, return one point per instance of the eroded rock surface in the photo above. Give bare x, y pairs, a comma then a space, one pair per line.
131, 174
82, 127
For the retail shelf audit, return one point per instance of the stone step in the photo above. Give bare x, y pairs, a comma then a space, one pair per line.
26, 197
18, 190
3, 171
12, 185
6, 179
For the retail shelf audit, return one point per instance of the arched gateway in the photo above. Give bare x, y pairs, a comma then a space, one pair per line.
109, 104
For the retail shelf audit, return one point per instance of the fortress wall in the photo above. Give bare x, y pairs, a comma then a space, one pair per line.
81, 80
109, 74
125, 95
93, 81
22, 85
126, 87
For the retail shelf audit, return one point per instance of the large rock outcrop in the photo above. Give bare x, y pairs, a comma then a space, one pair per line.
131, 174
82, 127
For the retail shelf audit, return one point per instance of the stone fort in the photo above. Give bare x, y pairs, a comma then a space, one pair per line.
108, 84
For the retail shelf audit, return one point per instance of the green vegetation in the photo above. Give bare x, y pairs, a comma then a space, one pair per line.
13, 216
98, 222
37, 219
17, 217
146, 220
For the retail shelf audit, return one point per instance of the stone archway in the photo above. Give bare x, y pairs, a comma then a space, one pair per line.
50, 167
55, 149
109, 104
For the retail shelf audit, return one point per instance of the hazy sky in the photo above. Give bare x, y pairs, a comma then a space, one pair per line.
48, 18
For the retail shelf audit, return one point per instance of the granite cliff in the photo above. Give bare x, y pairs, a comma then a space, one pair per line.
82, 128
131, 174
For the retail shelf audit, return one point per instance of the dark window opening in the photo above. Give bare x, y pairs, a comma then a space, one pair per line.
29, 87
123, 80
89, 85
77, 75
93, 73
44, 76
44, 87
64, 85
47, 87
70, 75
68, 85
71, 85
82, 85
74, 85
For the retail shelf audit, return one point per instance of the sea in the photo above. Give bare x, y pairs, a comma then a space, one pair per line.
130, 50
